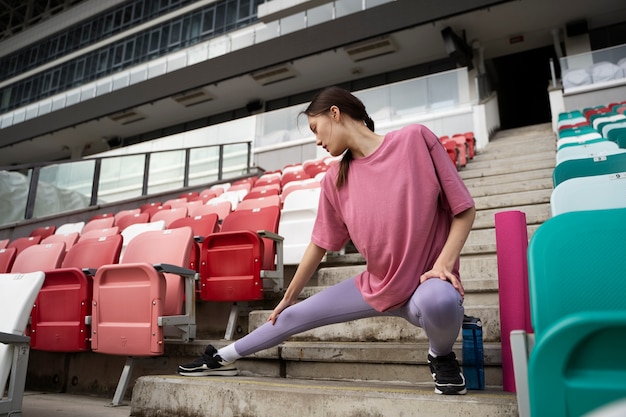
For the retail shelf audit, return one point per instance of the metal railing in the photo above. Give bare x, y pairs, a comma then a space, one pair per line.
39, 190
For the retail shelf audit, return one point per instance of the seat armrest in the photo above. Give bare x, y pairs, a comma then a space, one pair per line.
270, 235
199, 239
90, 272
173, 269
8, 338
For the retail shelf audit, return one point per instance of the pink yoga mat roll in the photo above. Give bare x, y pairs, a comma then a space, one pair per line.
511, 250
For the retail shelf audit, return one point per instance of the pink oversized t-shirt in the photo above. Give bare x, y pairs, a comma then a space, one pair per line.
396, 206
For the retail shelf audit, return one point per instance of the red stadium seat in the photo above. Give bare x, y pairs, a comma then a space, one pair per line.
43, 231
61, 314
7, 257
22, 243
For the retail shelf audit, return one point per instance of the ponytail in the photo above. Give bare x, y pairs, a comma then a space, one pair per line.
348, 104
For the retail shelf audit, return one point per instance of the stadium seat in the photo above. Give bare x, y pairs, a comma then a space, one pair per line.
123, 213
571, 365
7, 257
17, 294
60, 320
4, 243
136, 229
43, 231
235, 261
599, 165
69, 239
220, 207
589, 193
298, 185
176, 202
155, 209
202, 226
102, 223
452, 149
39, 258
22, 243
249, 204
90, 234
259, 192
123, 222
296, 223
76, 227
463, 146
168, 216
149, 291
590, 150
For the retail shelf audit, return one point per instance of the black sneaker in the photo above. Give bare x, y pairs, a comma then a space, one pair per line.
447, 374
210, 363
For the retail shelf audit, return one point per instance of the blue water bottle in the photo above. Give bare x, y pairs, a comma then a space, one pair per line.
473, 355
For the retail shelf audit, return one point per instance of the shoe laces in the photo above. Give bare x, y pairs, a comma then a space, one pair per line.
446, 366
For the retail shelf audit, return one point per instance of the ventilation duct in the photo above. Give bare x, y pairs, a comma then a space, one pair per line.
191, 98
127, 117
370, 49
274, 74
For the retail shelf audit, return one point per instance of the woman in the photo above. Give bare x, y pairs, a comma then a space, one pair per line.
405, 208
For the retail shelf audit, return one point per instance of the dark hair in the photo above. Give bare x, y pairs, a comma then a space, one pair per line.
348, 104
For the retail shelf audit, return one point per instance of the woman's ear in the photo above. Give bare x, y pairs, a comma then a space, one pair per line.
335, 113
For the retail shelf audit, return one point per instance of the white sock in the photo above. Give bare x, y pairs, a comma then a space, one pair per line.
430, 352
228, 353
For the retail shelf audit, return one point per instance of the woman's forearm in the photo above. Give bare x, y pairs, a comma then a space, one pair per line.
308, 265
459, 231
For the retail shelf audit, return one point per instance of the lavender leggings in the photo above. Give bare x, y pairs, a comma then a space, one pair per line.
435, 306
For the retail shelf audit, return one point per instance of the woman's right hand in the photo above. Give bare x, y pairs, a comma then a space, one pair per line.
279, 309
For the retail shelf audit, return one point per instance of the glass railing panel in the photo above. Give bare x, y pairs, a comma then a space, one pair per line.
64, 187
235, 160
602, 65
410, 97
13, 195
443, 90
121, 178
346, 7
377, 102
203, 165
167, 171
280, 126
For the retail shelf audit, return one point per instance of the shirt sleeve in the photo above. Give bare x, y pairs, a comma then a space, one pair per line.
455, 195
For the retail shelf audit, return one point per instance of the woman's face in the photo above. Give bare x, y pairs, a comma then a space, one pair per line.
327, 133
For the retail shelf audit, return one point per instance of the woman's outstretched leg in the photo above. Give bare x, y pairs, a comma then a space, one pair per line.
339, 303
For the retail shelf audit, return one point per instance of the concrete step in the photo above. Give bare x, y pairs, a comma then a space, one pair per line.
174, 396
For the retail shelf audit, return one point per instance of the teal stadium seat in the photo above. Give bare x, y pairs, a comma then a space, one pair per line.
589, 193
578, 311
618, 136
585, 167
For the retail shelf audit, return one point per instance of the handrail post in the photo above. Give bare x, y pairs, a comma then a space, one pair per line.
32, 193
220, 164
187, 167
146, 174
95, 186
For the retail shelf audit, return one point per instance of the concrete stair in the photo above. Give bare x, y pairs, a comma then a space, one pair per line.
376, 367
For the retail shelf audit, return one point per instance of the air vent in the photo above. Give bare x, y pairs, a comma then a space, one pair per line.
274, 74
127, 117
191, 98
370, 49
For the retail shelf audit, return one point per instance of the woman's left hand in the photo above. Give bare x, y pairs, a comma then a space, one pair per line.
445, 275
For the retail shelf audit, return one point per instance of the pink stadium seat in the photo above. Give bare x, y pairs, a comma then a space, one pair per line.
102, 216
136, 300
68, 238
125, 221
253, 203
176, 202
452, 149
154, 209
102, 223
59, 320
222, 208
123, 213
43, 231
258, 192
39, 258
463, 147
91, 234
235, 260
298, 185
22, 243
7, 257
202, 226
190, 195
146, 206
168, 216
4, 243
129, 297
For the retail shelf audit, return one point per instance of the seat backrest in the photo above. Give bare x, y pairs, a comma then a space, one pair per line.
7, 257
43, 231
221, 208
168, 216
296, 223
589, 193
70, 228
587, 151
22, 243
95, 224
68, 238
265, 218
94, 252
39, 258
125, 221
124, 213
608, 164
254, 203
17, 295
201, 225
135, 230
171, 246
578, 312
96, 233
